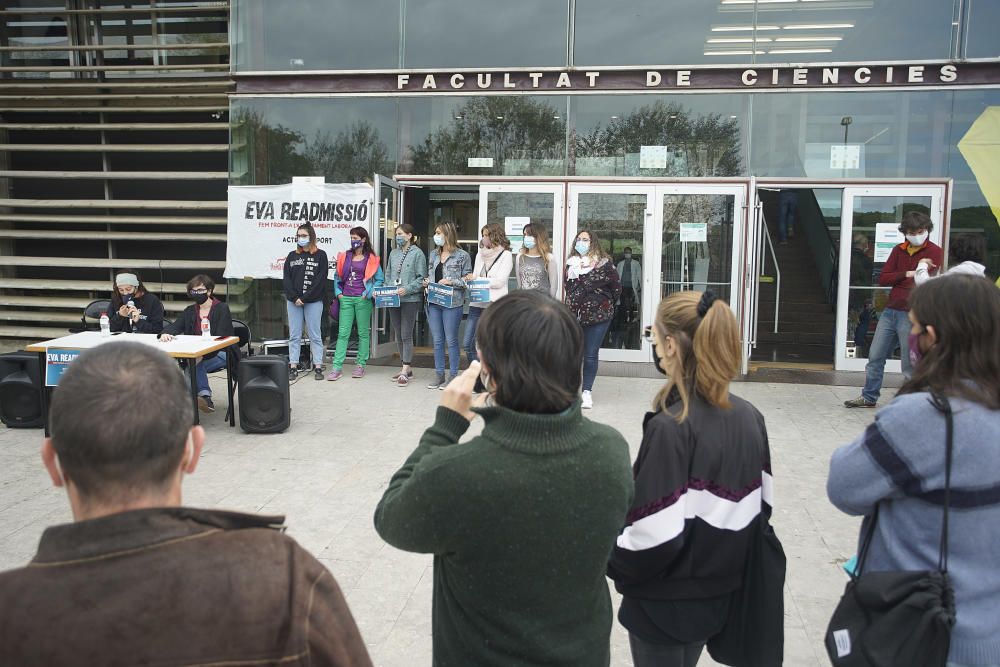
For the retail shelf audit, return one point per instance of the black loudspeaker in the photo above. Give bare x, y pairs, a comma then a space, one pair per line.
20, 390
264, 399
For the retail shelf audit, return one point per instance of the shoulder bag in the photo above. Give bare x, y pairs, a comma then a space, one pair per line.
886, 619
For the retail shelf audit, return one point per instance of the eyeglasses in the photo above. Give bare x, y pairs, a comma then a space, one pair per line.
303, 238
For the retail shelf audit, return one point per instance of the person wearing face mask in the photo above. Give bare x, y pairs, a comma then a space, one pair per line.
304, 284
592, 290
493, 262
536, 266
539, 474
893, 326
359, 272
448, 265
133, 309
894, 473
625, 328
702, 489
201, 290
407, 271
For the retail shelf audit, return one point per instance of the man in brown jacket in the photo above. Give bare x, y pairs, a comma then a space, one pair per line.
138, 579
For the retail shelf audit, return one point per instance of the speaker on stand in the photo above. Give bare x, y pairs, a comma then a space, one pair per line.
264, 399
20, 390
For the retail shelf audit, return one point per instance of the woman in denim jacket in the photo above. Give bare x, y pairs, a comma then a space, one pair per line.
447, 265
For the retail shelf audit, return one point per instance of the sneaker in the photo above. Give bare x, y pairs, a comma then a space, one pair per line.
335, 375
445, 384
205, 404
359, 372
293, 373
318, 373
403, 380
437, 383
860, 402
396, 377
587, 400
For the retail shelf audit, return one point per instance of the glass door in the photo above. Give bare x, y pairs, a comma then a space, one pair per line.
517, 204
867, 235
389, 204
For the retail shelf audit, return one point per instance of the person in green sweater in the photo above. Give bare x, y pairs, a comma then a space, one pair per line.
520, 519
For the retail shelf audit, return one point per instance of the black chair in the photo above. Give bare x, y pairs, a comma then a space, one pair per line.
242, 330
93, 311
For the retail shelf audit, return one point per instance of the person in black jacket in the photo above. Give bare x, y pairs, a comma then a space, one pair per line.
304, 283
220, 323
702, 484
133, 309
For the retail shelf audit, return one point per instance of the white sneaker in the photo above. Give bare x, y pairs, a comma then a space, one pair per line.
588, 400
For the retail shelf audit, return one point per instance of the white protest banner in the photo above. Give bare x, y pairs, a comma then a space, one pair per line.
263, 220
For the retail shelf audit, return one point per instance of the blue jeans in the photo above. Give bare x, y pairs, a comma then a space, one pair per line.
788, 204
893, 329
592, 336
208, 364
312, 313
469, 342
444, 323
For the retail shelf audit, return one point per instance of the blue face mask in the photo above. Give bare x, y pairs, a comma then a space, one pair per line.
582, 247
529, 242
302, 243
438, 240
400, 241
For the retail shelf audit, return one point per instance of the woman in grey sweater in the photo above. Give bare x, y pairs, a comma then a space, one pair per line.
406, 272
898, 464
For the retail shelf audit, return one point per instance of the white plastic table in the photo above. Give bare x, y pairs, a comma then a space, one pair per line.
181, 347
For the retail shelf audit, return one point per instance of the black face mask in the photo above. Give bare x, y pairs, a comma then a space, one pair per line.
656, 360
198, 298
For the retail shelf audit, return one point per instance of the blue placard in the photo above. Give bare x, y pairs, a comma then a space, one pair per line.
386, 297
479, 290
57, 360
444, 295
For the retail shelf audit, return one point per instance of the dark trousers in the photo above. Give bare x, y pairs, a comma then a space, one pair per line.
647, 654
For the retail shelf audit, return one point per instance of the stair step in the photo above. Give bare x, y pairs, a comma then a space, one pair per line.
794, 306
796, 338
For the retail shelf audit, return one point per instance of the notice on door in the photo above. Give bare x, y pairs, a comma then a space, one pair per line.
694, 232
652, 157
887, 236
514, 229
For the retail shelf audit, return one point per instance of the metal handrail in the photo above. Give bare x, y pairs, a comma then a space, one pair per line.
777, 271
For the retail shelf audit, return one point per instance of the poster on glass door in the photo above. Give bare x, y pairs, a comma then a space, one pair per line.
887, 236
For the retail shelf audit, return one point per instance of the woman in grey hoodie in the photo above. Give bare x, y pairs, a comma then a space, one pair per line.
406, 272
898, 464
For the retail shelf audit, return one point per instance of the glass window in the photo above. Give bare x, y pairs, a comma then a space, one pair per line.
662, 135
345, 140
851, 135
315, 35
653, 32
483, 33
835, 31
981, 34
484, 136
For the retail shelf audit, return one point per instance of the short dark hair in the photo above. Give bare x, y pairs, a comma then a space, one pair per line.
108, 454
533, 347
365, 238
915, 221
203, 280
628, 248
967, 248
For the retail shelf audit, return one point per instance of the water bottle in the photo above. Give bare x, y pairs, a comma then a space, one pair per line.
105, 325
205, 332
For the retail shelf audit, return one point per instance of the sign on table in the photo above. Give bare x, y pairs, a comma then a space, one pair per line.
56, 362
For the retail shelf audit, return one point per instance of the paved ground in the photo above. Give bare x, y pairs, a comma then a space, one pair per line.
329, 470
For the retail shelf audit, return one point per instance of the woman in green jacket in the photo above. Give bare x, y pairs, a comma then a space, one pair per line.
406, 272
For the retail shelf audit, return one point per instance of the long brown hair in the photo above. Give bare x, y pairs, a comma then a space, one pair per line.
450, 233
965, 360
495, 233
597, 251
311, 248
708, 349
542, 242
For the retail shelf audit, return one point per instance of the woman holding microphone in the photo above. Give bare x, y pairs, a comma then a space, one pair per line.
407, 271
493, 262
304, 284
133, 309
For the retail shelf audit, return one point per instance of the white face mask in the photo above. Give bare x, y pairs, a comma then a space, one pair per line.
917, 239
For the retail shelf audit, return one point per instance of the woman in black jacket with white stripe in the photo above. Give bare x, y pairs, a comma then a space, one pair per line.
702, 482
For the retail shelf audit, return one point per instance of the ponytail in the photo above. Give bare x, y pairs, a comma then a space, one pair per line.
706, 335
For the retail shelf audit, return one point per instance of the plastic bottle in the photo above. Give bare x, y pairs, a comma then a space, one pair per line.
105, 325
205, 329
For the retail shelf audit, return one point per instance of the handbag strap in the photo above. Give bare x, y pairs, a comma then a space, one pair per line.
939, 401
